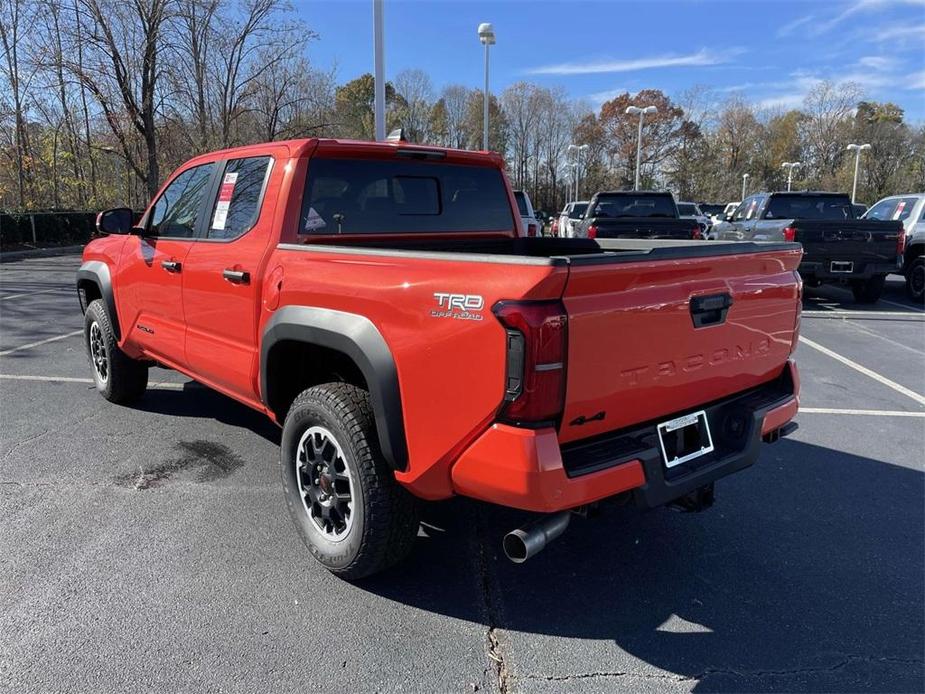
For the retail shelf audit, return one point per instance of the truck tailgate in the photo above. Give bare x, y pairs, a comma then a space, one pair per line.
634, 351
859, 240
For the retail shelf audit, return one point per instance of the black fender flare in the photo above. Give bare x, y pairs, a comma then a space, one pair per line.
358, 338
97, 272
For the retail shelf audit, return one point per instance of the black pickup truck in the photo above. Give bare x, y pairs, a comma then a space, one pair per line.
635, 214
837, 246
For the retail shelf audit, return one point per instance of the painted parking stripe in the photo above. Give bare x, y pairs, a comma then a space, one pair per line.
39, 291
860, 314
920, 399
863, 413
159, 385
905, 306
41, 342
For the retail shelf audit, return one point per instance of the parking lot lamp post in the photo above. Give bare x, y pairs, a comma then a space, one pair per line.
379, 86
641, 112
790, 166
577, 149
857, 159
744, 182
487, 37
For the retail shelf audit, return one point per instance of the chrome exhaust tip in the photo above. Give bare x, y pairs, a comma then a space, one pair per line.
528, 541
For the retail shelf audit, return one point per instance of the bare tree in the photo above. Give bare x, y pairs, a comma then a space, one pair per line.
416, 94
14, 21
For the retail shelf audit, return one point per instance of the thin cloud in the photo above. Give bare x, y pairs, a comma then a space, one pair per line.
700, 58
858, 7
916, 81
598, 98
788, 28
899, 31
877, 62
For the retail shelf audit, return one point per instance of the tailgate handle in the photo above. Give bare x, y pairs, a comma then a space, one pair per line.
710, 310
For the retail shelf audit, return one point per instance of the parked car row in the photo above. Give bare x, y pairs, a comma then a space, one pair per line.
843, 242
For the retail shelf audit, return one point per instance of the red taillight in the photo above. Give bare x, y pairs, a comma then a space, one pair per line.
537, 336
554, 228
696, 233
592, 232
901, 242
531, 230
790, 234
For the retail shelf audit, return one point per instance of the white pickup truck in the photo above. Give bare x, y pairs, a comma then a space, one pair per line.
532, 225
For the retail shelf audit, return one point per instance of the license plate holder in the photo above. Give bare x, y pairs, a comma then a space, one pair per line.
846, 266
685, 438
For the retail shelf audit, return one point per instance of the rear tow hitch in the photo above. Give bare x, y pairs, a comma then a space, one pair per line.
698, 500
781, 432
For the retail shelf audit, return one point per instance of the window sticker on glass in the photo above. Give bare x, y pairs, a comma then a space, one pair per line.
225, 194
899, 209
313, 220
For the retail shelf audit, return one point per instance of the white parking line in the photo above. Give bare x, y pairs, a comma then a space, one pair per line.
870, 413
159, 385
39, 291
905, 306
859, 314
40, 342
920, 399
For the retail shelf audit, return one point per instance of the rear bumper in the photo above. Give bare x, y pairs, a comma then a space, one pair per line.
821, 270
527, 469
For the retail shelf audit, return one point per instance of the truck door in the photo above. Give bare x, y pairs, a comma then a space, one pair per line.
153, 264
223, 277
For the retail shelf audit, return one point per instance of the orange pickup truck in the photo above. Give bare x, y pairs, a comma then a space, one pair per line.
382, 303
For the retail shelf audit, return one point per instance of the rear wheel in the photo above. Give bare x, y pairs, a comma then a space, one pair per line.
118, 377
915, 280
868, 291
352, 514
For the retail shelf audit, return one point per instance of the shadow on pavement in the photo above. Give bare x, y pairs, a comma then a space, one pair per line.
204, 403
810, 566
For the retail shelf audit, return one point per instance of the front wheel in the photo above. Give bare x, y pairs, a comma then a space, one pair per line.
868, 291
915, 280
352, 514
118, 377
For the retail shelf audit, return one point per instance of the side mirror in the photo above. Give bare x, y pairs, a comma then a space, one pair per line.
115, 221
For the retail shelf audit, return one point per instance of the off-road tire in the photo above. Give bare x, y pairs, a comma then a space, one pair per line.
384, 514
915, 280
868, 291
126, 378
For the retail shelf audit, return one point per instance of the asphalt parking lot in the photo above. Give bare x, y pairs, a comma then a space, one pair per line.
149, 548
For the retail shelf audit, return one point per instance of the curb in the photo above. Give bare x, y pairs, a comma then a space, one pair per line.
12, 256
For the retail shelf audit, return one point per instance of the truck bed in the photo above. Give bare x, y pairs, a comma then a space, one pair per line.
556, 250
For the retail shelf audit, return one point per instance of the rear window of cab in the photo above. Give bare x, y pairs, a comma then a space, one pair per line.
356, 196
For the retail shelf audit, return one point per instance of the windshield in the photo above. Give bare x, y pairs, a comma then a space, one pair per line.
578, 210
362, 196
687, 210
832, 207
628, 205
712, 209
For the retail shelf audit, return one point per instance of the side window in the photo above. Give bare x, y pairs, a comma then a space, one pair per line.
741, 210
176, 211
239, 197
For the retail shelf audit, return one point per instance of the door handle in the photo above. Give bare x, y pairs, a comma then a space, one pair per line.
171, 265
709, 310
236, 276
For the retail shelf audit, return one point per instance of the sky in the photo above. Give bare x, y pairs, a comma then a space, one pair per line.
771, 52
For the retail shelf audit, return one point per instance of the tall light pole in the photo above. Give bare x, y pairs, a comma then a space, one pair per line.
641, 112
790, 166
744, 181
857, 159
578, 149
487, 37
379, 48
